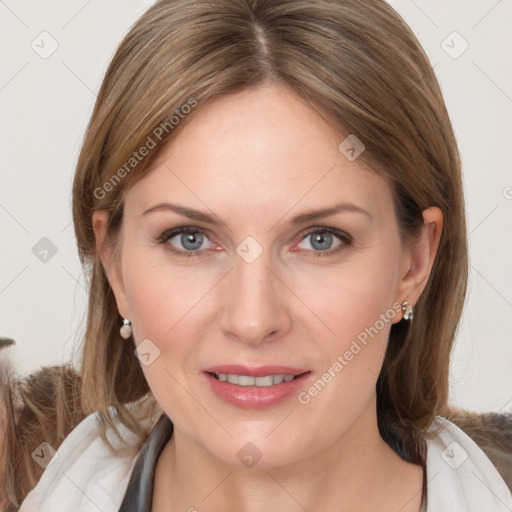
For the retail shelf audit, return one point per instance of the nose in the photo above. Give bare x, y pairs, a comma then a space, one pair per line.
254, 307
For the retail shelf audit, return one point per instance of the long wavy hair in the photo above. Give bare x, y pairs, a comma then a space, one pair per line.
358, 65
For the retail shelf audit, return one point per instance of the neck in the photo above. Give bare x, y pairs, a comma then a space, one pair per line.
359, 471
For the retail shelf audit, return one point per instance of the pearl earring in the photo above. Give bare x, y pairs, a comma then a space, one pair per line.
408, 311
126, 329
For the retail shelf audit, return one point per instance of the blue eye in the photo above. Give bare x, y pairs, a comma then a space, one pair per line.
322, 240
188, 241
191, 240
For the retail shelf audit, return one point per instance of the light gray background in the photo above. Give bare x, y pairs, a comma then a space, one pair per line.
45, 104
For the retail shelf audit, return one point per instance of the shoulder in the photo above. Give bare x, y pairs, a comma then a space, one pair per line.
84, 474
460, 476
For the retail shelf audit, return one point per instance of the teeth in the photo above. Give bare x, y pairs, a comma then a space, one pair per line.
268, 381
247, 380
233, 379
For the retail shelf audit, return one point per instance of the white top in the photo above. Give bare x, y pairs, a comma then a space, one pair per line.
84, 476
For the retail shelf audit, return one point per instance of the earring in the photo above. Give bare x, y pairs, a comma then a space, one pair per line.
408, 311
126, 329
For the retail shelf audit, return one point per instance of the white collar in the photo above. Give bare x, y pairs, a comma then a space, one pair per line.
460, 477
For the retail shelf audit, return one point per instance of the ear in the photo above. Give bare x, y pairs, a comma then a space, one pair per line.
419, 258
111, 264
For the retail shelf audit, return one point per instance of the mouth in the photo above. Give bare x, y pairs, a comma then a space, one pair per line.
249, 380
256, 387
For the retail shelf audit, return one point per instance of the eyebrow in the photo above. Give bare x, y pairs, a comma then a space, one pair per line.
302, 218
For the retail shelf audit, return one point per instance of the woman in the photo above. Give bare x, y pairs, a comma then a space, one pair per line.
269, 203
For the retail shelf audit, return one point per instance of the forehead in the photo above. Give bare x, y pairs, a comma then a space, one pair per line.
257, 149
265, 125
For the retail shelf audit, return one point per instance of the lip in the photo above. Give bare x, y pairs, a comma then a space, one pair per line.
255, 397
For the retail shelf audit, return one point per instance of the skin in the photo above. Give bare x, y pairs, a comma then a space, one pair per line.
255, 159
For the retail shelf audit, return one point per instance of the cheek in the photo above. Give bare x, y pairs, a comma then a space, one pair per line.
151, 304
169, 307
161, 294
165, 304
352, 297
356, 306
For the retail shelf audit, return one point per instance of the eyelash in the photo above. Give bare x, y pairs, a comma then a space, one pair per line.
167, 235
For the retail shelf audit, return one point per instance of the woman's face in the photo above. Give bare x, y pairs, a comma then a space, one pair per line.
262, 289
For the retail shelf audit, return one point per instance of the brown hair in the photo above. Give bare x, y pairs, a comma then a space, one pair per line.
361, 67
45, 406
